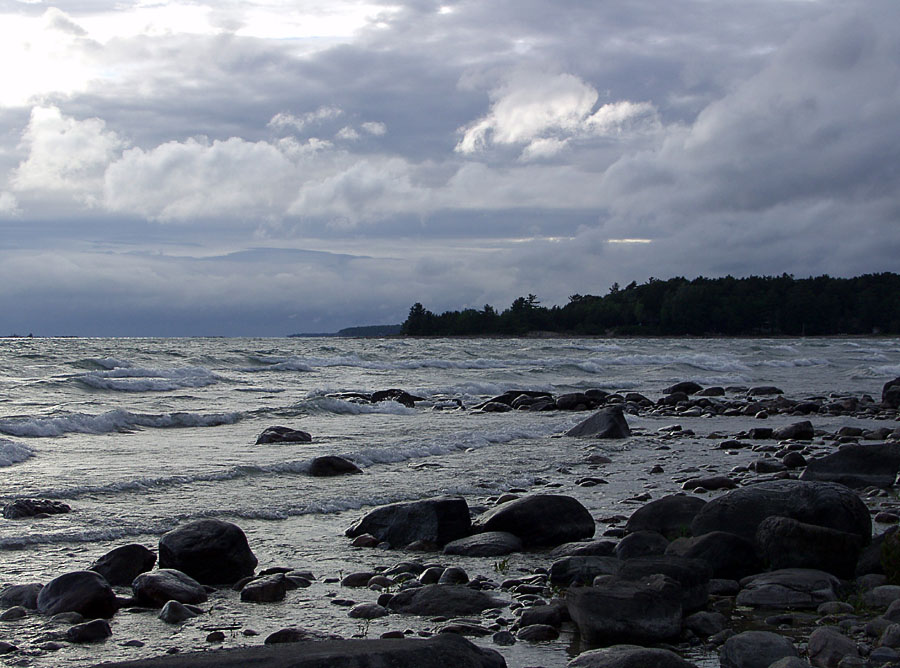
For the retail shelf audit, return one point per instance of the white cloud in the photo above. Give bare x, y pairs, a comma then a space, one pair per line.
347, 133
284, 120
375, 128
65, 154
8, 204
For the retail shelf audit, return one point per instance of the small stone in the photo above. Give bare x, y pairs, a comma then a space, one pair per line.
93, 631
504, 638
14, 613
215, 636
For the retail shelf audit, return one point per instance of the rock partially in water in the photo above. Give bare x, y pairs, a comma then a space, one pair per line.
175, 612
439, 521
96, 630
641, 544
692, 574
444, 600
210, 551
629, 656
33, 508
487, 544
755, 649
788, 588
890, 394
798, 431
25, 595
166, 584
540, 520
786, 543
332, 465
282, 435
123, 564
857, 466
581, 570
267, 589
608, 422
670, 515
84, 592
731, 557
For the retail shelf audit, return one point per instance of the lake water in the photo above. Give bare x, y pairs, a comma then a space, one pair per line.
141, 435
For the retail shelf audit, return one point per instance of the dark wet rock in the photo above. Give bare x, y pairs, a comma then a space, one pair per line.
70, 617
692, 574
540, 520
870, 558
368, 611
488, 544
293, 634
283, 435
25, 595
799, 431
767, 465
881, 596
549, 615
786, 543
574, 401
761, 433
670, 515
446, 600
755, 649
581, 570
84, 592
13, 613
890, 393
641, 544
332, 465
728, 555
608, 422
30, 507
441, 651
167, 584
453, 575
705, 624
629, 656
594, 548
358, 579
493, 407
439, 521
714, 391
789, 588
465, 628
210, 551
687, 387
794, 460
504, 639
537, 633
616, 610
175, 612
266, 590
123, 564
827, 647
510, 397
96, 630
711, 483
400, 396
857, 466
824, 504
764, 390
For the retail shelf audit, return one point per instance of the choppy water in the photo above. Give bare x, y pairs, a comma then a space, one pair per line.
140, 435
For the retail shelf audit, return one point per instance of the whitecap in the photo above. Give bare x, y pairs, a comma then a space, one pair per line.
13, 453
148, 380
111, 421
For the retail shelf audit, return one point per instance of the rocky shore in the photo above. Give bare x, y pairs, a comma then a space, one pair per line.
790, 560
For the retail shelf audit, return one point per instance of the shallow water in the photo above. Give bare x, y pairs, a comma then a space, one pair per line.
141, 435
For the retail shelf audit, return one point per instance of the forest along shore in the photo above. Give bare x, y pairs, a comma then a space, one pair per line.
770, 563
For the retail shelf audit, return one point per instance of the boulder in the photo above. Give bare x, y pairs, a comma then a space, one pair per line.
540, 520
283, 435
857, 466
729, 556
332, 465
608, 422
641, 544
692, 574
890, 394
123, 564
93, 631
440, 651
798, 431
174, 612
788, 588
368, 611
686, 386
629, 656
549, 615
574, 401
593, 548
400, 396
671, 515
786, 543
294, 634
537, 633
31, 507
870, 560
580, 570
827, 646
23, 595
155, 589
755, 649
210, 551
439, 521
616, 610
84, 592
824, 504
488, 544
444, 600
266, 589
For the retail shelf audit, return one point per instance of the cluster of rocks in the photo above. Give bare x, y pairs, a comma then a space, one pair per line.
400, 396
324, 466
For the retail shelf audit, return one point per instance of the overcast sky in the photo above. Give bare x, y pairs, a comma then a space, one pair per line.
279, 166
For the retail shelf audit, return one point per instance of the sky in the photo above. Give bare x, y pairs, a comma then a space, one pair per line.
268, 167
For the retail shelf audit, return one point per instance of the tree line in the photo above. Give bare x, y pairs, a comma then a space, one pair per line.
752, 306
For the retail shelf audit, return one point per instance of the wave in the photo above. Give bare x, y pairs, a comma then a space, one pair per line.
111, 421
105, 363
277, 364
322, 404
13, 453
148, 380
888, 370
790, 364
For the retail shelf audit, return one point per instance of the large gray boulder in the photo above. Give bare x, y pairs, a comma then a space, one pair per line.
540, 520
444, 649
210, 551
786, 543
755, 649
444, 600
822, 503
439, 521
157, 588
629, 656
123, 564
671, 515
616, 610
788, 589
608, 422
84, 592
488, 544
857, 466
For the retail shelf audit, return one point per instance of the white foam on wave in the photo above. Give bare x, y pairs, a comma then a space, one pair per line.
341, 407
793, 363
111, 421
149, 380
280, 364
888, 370
13, 453
103, 363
